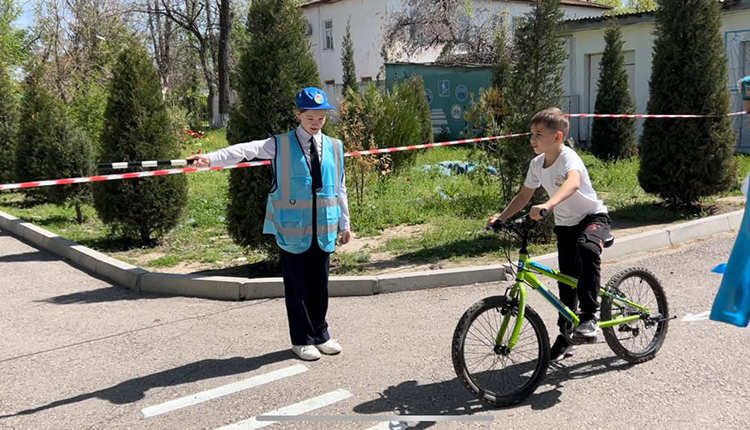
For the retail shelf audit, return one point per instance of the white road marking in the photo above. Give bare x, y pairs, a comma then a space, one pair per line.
295, 409
224, 390
696, 317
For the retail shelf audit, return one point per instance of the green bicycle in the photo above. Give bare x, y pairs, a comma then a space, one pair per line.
501, 348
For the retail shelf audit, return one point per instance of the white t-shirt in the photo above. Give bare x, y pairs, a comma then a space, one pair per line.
574, 209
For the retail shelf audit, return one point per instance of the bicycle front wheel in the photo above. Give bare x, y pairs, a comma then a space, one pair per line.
496, 376
637, 341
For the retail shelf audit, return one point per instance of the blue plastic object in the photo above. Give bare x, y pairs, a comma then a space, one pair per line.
732, 302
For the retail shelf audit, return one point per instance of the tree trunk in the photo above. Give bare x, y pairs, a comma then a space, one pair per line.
214, 118
210, 54
145, 235
79, 213
206, 46
161, 30
224, 31
213, 108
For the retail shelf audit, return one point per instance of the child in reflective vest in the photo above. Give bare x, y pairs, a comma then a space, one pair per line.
306, 209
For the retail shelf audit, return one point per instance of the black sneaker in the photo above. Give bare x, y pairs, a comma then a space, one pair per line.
587, 331
560, 349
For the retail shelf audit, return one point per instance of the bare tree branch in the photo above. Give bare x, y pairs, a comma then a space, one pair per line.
457, 28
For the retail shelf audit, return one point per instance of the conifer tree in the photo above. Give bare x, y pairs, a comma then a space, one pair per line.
8, 126
501, 64
137, 127
276, 64
613, 138
683, 160
347, 61
35, 111
535, 84
50, 146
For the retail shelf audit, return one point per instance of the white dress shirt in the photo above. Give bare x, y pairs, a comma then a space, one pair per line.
266, 150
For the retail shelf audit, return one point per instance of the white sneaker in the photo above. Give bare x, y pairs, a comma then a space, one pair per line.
331, 347
306, 352
587, 331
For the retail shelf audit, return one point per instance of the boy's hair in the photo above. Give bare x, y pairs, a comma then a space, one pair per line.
300, 110
553, 119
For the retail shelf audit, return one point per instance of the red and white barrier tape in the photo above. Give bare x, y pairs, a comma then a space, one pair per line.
618, 115
431, 145
125, 176
159, 163
133, 175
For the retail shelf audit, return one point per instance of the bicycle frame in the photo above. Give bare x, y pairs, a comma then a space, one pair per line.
527, 269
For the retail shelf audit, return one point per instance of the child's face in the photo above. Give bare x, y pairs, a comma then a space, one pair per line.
544, 140
312, 120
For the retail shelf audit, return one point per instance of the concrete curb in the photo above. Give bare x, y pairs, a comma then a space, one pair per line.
228, 288
440, 278
210, 287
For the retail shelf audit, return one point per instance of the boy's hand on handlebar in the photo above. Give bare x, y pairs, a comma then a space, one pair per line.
493, 222
538, 212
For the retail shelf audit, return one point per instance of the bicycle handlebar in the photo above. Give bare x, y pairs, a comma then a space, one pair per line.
520, 225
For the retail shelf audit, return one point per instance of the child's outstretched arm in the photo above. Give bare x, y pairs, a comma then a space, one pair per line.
569, 187
262, 149
519, 202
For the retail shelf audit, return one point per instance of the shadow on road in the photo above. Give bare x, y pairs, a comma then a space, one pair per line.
135, 389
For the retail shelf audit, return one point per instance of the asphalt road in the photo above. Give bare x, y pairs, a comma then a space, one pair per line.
78, 353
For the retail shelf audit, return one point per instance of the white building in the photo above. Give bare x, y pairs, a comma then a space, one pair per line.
586, 45
327, 20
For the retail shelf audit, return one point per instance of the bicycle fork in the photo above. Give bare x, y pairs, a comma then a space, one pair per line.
517, 301
517, 308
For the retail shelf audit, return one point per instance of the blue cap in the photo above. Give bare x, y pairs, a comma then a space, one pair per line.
312, 98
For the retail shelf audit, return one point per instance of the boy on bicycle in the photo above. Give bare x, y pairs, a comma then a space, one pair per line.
582, 223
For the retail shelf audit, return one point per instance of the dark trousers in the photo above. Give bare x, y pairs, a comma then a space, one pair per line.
306, 294
579, 250
306, 291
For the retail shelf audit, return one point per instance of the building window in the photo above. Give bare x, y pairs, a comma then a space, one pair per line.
331, 82
366, 79
328, 25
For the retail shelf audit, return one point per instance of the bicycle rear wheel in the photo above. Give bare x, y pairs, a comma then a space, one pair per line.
640, 340
498, 377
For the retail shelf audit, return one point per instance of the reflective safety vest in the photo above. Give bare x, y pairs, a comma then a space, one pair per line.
289, 207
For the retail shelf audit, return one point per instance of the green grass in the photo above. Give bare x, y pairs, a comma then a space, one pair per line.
453, 239
166, 261
743, 168
59, 219
418, 196
201, 236
350, 263
617, 184
454, 210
